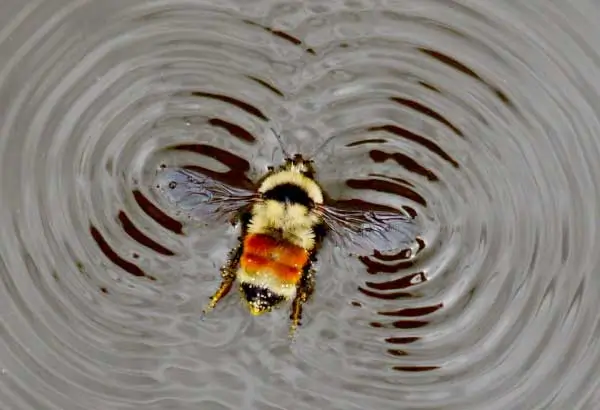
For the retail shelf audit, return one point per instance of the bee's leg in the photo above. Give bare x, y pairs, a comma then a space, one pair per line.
304, 291
227, 278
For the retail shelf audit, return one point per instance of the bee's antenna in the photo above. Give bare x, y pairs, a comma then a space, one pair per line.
278, 137
320, 147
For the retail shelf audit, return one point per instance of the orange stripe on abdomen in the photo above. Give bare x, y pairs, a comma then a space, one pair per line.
265, 253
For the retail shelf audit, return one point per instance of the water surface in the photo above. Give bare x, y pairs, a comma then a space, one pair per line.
480, 117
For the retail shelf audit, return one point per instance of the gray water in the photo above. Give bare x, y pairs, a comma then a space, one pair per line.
480, 117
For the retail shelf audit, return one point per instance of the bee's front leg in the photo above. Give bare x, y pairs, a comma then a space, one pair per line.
304, 291
228, 273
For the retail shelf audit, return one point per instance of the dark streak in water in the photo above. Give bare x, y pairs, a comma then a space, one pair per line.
402, 340
285, 36
401, 324
414, 312
503, 97
159, 216
415, 368
114, 257
398, 180
404, 161
282, 35
410, 211
369, 141
140, 237
402, 283
451, 62
265, 84
421, 244
240, 104
429, 86
236, 176
404, 254
388, 187
375, 267
233, 129
443, 58
409, 324
427, 111
385, 296
409, 135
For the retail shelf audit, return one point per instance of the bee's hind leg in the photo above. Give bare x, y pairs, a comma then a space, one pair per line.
304, 291
227, 278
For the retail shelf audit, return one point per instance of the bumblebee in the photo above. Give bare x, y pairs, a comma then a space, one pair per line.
284, 223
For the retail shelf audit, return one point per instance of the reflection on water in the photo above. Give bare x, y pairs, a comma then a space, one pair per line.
479, 117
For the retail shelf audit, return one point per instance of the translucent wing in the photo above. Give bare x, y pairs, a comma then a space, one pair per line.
201, 197
361, 232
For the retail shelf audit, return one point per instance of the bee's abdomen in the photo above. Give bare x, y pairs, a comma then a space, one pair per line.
280, 258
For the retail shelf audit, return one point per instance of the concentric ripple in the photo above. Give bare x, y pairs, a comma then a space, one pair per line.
477, 117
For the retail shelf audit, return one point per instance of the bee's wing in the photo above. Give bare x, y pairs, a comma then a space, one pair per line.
201, 197
361, 232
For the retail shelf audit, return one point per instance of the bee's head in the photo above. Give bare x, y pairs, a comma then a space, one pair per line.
297, 163
259, 299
